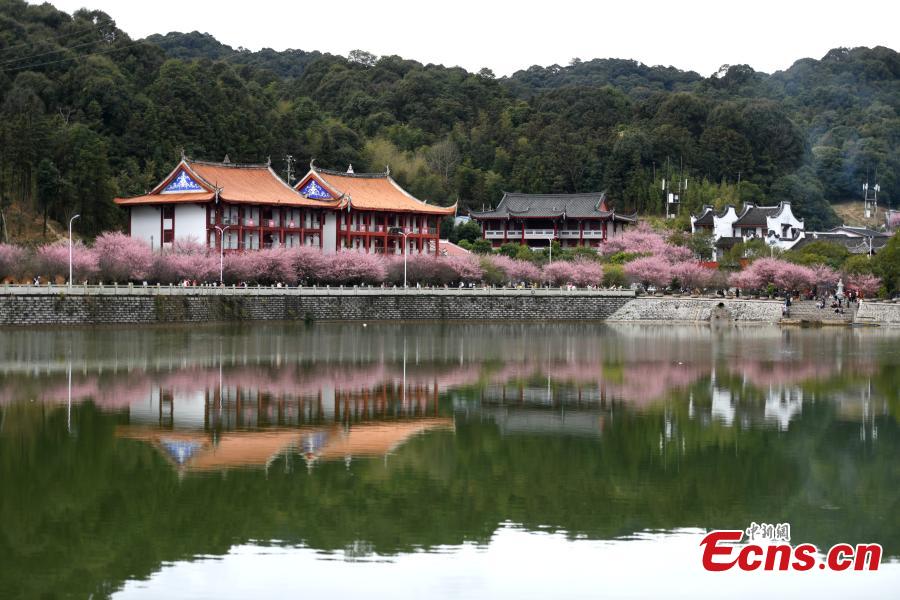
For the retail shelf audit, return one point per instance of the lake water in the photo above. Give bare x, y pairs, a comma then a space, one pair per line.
448, 461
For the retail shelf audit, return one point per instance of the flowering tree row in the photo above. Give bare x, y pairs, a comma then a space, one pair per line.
116, 257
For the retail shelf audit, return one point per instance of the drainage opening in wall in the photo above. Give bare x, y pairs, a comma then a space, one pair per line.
720, 305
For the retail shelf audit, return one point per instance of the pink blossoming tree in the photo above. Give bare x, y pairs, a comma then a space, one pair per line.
52, 261
650, 270
12, 262
122, 258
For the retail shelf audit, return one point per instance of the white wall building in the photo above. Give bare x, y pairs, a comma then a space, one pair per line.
777, 225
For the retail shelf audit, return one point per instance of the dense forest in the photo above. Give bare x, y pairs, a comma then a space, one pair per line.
86, 113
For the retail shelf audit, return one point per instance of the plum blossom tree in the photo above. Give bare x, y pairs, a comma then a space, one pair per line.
824, 278
650, 270
308, 264
122, 258
560, 273
587, 273
186, 260
692, 275
52, 260
639, 240
12, 261
352, 268
864, 284
467, 268
516, 271
779, 273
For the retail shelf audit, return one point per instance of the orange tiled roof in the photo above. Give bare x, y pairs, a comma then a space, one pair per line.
372, 191
251, 184
167, 198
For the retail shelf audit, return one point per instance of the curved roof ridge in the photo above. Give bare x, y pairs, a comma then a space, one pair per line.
355, 175
228, 165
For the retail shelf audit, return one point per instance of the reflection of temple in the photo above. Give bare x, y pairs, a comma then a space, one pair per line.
230, 406
198, 451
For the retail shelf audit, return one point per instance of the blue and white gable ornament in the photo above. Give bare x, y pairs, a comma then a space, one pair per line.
315, 191
182, 183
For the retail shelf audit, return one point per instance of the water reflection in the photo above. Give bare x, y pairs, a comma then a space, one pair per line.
137, 447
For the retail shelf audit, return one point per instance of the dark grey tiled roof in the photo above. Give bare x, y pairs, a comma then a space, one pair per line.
706, 217
755, 216
573, 206
861, 231
855, 244
727, 242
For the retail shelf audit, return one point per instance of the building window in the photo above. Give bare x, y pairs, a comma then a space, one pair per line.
168, 211
168, 236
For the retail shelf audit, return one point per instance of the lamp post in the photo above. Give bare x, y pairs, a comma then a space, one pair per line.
399, 231
221, 231
70, 248
550, 246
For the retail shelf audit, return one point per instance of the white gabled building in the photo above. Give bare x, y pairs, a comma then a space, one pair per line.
777, 225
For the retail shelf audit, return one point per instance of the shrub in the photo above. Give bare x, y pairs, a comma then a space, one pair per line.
614, 276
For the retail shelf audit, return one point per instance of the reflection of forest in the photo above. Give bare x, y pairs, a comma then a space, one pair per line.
85, 507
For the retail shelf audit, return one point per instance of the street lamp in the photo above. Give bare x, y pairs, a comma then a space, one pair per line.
221, 231
550, 240
399, 231
70, 248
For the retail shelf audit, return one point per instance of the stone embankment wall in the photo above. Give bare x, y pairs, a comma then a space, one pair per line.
882, 313
28, 305
683, 308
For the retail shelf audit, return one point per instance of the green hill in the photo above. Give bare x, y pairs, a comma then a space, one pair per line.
87, 113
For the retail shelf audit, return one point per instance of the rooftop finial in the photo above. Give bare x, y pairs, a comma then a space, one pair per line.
312, 164
226, 160
387, 170
350, 169
268, 161
182, 153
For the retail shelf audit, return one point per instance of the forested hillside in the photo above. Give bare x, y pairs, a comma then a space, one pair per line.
87, 113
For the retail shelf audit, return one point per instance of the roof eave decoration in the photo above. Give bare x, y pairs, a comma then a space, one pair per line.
199, 184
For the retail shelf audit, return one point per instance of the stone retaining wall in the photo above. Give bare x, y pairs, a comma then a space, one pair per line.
84, 305
675, 308
883, 313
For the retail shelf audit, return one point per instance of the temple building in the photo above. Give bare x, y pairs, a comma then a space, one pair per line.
248, 207
537, 219
376, 214
777, 225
